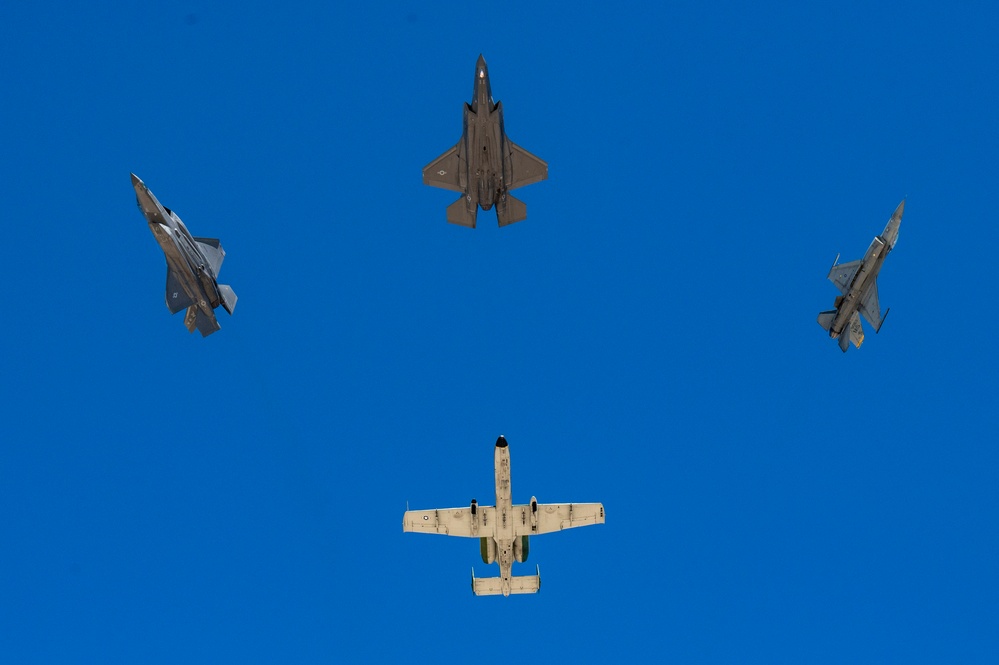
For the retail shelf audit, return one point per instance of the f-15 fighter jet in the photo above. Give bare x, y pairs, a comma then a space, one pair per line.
858, 284
192, 265
504, 530
485, 165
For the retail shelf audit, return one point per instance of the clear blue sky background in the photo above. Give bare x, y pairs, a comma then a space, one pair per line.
647, 338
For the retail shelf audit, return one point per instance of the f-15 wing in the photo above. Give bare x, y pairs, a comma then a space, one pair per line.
444, 171
549, 517
452, 521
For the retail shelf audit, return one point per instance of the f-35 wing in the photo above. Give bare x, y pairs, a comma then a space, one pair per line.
444, 171
551, 517
452, 521
842, 275
526, 168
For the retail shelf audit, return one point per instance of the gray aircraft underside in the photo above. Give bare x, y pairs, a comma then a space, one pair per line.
192, 265
504, 530
857, 282
485, 165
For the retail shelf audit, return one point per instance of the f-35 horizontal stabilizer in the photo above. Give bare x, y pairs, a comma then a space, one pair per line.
460, 213
195, 318
510, 210
493, 586
826, 319
228, 297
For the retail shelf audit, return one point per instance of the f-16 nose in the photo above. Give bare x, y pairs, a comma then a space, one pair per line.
501, 442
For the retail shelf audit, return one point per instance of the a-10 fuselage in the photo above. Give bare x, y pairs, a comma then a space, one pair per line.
504, 537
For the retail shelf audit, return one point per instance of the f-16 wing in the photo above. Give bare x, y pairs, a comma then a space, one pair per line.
551, 517
842, 274
526, 168
452, 521
443, 172
871, 308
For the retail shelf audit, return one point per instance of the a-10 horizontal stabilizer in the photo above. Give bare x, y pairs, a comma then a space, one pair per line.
493, 586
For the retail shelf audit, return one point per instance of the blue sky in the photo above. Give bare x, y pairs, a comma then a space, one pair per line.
646, 338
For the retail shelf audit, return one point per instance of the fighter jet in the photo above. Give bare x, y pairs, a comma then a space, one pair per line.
858, 285
485, 165
192, 265
504, 530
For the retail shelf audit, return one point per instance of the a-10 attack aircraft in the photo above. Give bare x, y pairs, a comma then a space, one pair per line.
858, 285
504, 530
192, 265
485, 165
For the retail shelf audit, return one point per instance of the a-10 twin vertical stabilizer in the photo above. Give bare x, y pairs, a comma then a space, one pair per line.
858, 285
504, 530
193, 265
485, 165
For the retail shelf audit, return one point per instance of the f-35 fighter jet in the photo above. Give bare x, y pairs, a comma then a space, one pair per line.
858, 284
504, 530
192, 265
485, 165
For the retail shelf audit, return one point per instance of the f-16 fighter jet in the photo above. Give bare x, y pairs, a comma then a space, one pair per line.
192, 265
504, 530
485, 165
858, 284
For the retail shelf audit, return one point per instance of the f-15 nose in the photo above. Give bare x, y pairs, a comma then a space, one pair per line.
501, 442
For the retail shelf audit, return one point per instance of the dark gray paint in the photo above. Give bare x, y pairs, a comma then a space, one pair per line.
192, 265
485, 165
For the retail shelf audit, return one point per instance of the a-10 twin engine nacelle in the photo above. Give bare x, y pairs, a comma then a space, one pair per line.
521, 548
487, 548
